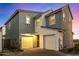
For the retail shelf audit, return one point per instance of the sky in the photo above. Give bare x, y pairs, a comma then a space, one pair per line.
7, 9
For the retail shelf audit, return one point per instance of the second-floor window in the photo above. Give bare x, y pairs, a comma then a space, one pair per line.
52, 20
64, 16
38, 22
27, 20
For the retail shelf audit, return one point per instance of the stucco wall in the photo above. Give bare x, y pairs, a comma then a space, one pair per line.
60, 40
46, 31
41, 41
67, 24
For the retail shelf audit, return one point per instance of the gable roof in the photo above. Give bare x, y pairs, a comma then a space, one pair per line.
39, 15
60, 9
70, 11
19, 10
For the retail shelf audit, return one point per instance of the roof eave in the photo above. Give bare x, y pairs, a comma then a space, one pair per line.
16, 12
60, 9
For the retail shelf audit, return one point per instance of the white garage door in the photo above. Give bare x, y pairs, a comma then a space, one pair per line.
26, 42
50, 42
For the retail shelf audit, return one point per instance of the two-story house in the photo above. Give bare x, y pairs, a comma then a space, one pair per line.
48, 30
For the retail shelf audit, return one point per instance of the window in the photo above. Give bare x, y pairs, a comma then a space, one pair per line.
27, 20
64, 16
38, 22
52, 20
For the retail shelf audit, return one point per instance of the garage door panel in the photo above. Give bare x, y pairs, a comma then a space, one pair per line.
50, 42
27, 42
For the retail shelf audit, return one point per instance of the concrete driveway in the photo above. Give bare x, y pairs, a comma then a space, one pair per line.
35, 52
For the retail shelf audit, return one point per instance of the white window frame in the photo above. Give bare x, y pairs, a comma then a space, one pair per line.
38, 22
27, 20
53, 19
64, 15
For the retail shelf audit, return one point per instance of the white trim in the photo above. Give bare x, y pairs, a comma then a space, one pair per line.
27, 20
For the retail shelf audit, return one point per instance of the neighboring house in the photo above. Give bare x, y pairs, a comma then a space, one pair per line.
1, 39
49, 30
4, 40
76, 42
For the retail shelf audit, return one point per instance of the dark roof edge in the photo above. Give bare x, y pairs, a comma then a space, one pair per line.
48, 10
19, 10
37, 16
52, 28
60, 9
70, 11
67, 5
0, 28
16, 12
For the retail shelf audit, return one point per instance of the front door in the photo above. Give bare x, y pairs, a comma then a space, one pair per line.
37, 40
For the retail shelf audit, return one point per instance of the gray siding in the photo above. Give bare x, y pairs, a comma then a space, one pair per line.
26, 28
58, 18
13, 32
43, 19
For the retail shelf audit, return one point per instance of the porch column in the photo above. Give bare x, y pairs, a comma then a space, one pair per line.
40, 41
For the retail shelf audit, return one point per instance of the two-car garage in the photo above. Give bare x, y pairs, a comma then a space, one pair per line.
46, 41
